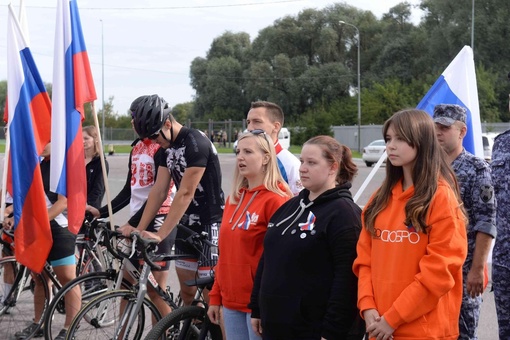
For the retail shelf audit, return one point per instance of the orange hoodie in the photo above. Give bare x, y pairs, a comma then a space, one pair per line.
242, 232
414, 279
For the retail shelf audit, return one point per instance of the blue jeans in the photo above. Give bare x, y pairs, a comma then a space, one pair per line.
238, 325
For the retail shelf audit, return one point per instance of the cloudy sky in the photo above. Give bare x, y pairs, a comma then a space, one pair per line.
149, 45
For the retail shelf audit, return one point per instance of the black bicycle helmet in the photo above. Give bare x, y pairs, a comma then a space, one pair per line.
149, 114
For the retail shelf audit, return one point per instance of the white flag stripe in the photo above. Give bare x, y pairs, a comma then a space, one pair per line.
13, 87
461, 78
58, 114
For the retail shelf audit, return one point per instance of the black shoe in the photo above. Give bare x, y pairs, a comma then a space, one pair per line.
61, 335
29, 331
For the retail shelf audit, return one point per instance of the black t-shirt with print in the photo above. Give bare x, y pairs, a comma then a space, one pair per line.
191, 149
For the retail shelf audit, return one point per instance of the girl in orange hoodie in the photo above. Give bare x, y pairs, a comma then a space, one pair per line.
413, 243
257, 192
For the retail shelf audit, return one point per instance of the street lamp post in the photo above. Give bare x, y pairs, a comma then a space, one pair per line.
359, 83
473, 26
102, 76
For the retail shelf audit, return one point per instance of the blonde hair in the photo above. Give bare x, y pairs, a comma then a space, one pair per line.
417, 129
92, 132
273, 179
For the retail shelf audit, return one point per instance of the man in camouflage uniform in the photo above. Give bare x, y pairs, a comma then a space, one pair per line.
500, 165
477, 193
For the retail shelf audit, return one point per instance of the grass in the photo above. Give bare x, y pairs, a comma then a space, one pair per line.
295, 149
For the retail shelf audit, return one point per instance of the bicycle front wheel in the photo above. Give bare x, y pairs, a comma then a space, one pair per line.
186, 323
91, 285
102, 318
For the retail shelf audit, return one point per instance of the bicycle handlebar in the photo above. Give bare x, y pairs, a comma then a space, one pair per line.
103, 231
193, 236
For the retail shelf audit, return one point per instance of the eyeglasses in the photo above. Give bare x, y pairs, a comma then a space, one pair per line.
257, 132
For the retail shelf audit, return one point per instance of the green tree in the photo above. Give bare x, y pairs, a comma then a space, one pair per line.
486, 80
183, 112
308, 62
3, 93
313, 122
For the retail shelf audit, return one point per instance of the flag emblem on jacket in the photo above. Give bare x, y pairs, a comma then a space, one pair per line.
246, 224
309, 224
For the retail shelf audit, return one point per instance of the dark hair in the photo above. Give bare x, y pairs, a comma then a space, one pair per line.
334, 152
275, 112
416, 128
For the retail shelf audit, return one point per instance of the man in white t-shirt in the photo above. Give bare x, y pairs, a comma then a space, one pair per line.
268, 116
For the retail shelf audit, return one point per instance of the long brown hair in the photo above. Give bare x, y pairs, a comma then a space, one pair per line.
416, 127
334, 152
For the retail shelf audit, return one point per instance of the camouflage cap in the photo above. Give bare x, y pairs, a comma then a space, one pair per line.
447, 114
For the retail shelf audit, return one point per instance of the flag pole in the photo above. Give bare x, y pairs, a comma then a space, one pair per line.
369, 178
103, 166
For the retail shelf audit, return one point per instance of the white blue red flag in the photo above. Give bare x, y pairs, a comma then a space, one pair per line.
72, 88
309, 224
457, 85
246, 224
29, 132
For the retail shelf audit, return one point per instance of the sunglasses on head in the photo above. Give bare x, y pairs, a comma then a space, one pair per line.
257, 132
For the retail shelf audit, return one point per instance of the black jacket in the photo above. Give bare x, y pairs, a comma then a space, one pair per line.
95, 182
305, 287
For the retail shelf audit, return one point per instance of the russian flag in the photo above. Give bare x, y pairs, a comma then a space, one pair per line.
310, 222
23, 23
29, 132
72, 88
457, 85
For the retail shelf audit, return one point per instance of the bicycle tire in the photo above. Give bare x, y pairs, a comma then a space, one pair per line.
18, 311
91, 285
185, 323
99, 318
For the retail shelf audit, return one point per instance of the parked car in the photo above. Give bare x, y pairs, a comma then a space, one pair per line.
488, 142
373, 151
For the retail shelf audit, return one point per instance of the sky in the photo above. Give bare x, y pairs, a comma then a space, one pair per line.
148, 45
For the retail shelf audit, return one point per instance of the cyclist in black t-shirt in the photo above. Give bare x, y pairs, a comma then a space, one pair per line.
192, 162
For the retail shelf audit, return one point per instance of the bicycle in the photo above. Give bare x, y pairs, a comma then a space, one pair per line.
190, 322
17, 284
97, 248
130, 324
100, 318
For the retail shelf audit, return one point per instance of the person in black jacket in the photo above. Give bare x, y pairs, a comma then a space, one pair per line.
95, 180
305, 287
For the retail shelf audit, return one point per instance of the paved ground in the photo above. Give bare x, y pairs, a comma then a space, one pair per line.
116, 179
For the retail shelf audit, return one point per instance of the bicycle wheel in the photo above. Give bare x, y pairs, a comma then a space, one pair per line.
185, 323
101, 317
17, 308
91, 286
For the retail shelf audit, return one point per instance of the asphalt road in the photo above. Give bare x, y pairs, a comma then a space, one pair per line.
117, 176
